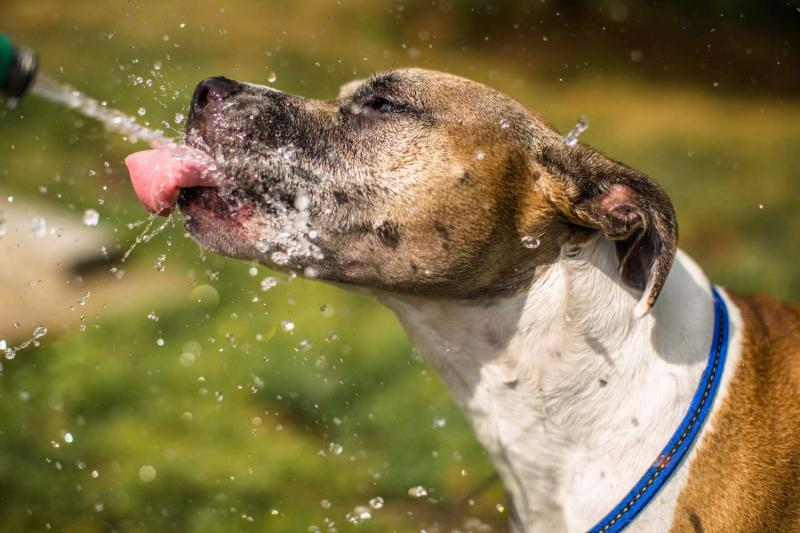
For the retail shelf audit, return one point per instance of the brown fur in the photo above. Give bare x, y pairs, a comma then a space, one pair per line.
746, 475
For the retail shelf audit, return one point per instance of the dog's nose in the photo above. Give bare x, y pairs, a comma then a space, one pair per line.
213, 90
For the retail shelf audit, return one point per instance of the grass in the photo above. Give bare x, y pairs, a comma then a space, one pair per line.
244, 438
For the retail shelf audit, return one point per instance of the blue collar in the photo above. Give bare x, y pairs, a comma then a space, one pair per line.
678, 446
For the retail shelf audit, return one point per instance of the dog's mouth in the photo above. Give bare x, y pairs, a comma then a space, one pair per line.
159, 175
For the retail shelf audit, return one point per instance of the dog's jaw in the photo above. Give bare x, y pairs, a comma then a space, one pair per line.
570, 393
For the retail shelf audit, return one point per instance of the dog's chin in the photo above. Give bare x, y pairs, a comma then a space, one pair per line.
219, 225
234, 228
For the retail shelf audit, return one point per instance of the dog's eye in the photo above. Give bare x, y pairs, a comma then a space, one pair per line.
381, 105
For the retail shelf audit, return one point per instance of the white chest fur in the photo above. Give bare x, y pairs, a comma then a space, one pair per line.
572, 396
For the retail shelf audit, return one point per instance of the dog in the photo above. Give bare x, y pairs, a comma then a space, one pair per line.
541, 278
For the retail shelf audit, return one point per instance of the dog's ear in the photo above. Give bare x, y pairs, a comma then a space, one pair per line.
626, 206
349, 88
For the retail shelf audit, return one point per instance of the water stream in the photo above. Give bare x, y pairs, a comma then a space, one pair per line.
112, 119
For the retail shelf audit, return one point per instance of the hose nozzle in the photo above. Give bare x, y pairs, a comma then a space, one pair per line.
18, 66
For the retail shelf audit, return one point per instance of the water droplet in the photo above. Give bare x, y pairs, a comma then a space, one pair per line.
376, 502
268, 283
160, 341
192, 347
335, 449
141, 112
272, 77
479, 154
147, 473
567, 317
304, 346
418, 492
325, 504
358, 515
500, 508
205, 295
253, 271
39, 227
760, 205
530, 242
301, 201
152, 316
179, 118
95, 474
187, 359
327, 310
68, 438
39, 332
279, 258
439, 422
90, 217
504, 124
287, 325
160, 263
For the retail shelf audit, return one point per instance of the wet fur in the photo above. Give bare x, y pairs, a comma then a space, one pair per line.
424, 182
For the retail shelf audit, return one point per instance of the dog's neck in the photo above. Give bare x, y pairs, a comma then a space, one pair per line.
570, 393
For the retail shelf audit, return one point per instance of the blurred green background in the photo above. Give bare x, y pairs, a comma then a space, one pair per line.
180, 401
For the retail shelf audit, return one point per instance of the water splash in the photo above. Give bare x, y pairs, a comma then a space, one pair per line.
10, 353
297, 236
571, 138
144, 236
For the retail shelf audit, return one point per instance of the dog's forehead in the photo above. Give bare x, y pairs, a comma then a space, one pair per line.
435, 89
464, 97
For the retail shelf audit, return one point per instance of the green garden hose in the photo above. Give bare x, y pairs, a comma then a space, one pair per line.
17, 67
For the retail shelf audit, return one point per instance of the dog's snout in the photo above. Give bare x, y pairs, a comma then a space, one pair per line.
213, 90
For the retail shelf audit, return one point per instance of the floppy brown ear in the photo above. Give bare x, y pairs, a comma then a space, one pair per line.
627, 207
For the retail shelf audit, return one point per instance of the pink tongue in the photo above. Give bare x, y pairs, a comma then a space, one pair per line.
158, 176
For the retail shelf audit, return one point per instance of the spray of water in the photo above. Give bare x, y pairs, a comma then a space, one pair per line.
571, 138
10, 353
294, 241
112, 119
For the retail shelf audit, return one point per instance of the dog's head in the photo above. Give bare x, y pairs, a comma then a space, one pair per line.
413, 181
